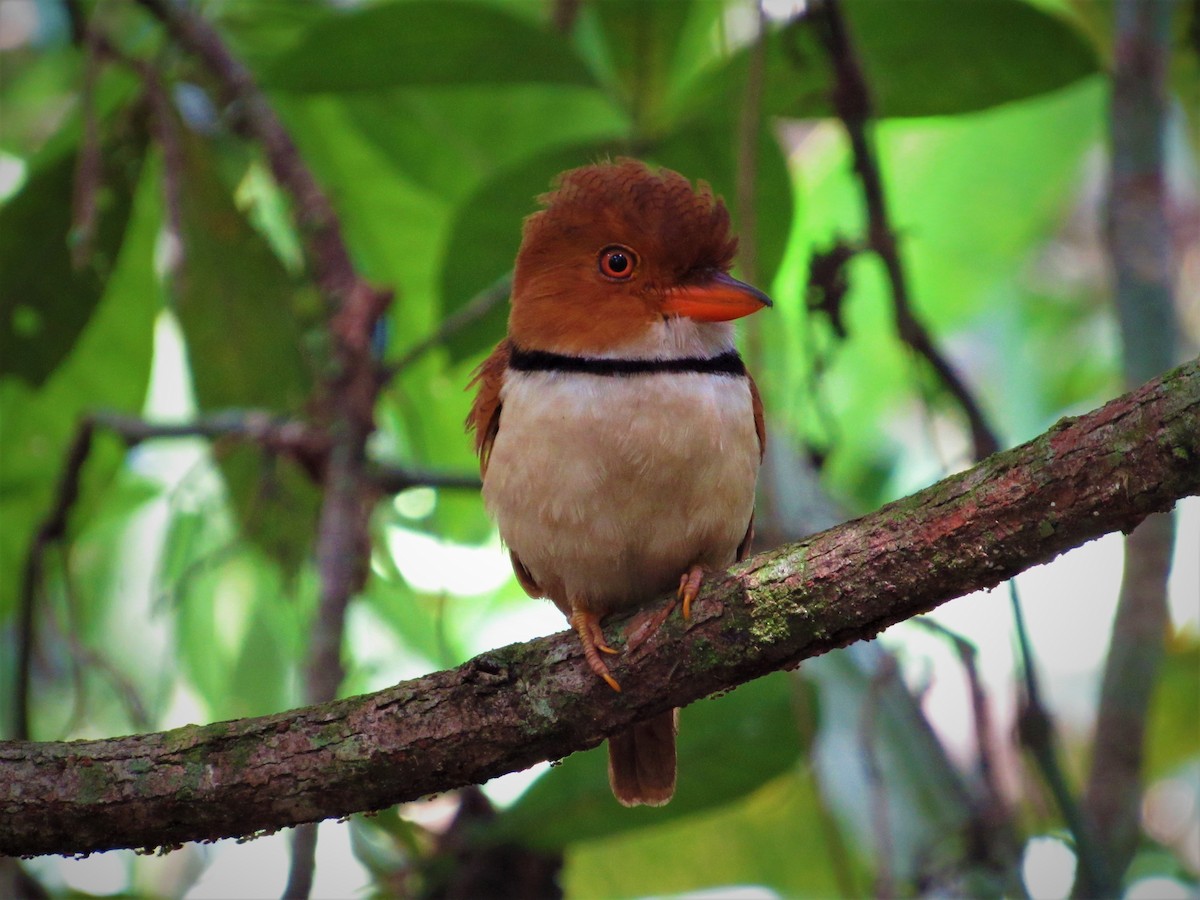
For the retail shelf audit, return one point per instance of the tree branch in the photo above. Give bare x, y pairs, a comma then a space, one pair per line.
296, 439
515, 706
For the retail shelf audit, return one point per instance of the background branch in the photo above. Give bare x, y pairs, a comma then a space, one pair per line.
351, 389
851, 99
509, 708
392, 479
993, 806
852, 103
304, 444
1140, 251
320, 229
50, 530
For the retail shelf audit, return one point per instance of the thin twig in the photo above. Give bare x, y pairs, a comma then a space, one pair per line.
52, 529
468, 314
166, 133
281, 435
1112, 801
392, 479
980, 715
304, 862
885, 672
1036, 731
852, 102
992, 840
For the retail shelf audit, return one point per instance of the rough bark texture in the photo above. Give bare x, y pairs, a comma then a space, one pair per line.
512, 707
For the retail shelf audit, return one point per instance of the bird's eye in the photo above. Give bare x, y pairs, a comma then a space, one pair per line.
617, 262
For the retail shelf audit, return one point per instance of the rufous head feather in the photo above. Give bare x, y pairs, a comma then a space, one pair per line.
617, 247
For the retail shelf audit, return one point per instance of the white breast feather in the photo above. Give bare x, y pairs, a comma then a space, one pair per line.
609, 488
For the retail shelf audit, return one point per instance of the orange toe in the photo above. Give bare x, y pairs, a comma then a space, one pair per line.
689, 588
597, 633
587, 625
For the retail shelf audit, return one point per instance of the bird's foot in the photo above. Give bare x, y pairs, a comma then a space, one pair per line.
689, 588
587, 625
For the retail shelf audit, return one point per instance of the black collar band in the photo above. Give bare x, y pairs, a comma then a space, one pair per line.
727, 363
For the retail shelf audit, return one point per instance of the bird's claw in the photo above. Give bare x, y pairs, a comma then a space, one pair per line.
587, 625
689, 588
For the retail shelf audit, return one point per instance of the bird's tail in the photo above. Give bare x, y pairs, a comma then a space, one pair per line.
641, 761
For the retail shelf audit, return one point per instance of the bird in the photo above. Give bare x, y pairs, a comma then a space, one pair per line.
619, 434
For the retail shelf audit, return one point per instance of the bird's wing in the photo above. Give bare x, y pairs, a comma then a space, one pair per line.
524, 578
484, 418
760, 428
760, 425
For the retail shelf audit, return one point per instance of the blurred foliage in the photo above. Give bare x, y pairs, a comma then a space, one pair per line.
186, 585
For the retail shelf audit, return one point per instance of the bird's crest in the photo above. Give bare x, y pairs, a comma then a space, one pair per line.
660, 213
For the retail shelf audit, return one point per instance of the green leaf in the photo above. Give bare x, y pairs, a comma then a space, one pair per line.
203, 658
261, 681
237, 305
420, 621
45, 299
1171, 737
919, 58
777, 838
938, 57
728, 747
237, 634
448, 139
108, 366
277, 504
34, 83
636, 46
259, 31
188, 543
423, 43
241, 315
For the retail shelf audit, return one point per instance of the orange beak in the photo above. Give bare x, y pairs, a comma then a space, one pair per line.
717, 298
